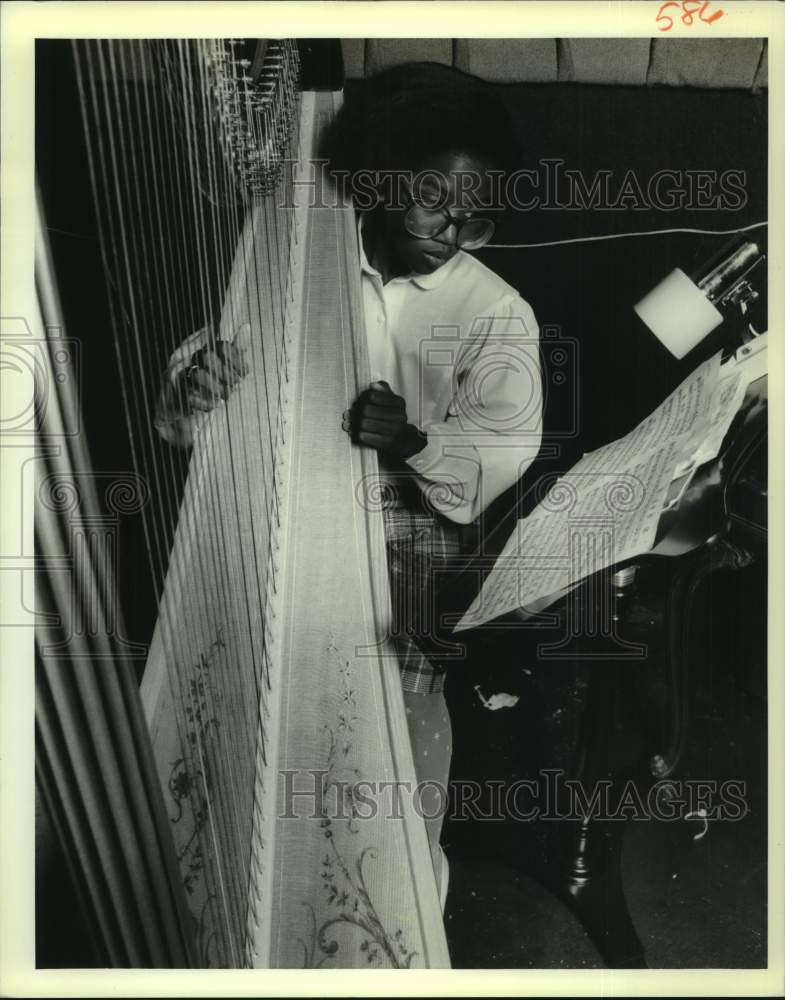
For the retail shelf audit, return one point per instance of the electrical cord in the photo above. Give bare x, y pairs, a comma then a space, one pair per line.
620, 236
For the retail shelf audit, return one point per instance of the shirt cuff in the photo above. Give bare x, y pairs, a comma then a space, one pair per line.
453, 478
427, 458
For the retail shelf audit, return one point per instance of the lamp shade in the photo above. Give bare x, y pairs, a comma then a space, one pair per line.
678, 313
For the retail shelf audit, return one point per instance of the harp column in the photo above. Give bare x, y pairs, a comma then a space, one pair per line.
94, 765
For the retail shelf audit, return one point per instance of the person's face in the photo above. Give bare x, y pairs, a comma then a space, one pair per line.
444, 182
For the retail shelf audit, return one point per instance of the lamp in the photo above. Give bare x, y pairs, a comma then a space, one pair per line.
683, 309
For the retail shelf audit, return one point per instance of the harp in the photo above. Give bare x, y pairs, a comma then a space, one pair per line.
251, 805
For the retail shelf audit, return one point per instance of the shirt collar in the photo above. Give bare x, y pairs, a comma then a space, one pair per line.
365, 264
425, 281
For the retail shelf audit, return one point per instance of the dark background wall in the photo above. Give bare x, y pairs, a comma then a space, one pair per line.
587, 291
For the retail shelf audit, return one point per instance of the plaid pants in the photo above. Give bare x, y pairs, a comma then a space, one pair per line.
420, 543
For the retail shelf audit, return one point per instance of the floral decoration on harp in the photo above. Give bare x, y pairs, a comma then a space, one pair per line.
347, 896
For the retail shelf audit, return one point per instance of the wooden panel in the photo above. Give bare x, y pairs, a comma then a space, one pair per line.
604, 60
762, 74
705, 62
508, 59
383, 52
353, 57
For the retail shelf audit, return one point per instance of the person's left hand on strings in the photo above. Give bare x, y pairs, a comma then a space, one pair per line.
214, 372
378, 420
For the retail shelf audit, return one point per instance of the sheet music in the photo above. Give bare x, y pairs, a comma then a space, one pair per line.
606, 509
726, 400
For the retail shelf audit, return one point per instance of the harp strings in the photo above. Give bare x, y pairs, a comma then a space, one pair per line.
223, 798
129, 327
171, 217
202, 762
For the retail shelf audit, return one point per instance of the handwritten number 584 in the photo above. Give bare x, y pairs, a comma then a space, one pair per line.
688, 9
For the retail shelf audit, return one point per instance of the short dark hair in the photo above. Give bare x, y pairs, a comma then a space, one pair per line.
399, 118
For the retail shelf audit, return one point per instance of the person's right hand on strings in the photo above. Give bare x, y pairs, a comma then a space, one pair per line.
213, 372
202, 372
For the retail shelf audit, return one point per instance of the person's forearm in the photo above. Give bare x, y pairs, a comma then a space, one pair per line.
412, 442
460, 478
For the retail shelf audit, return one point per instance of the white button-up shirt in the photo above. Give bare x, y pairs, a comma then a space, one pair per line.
462, 348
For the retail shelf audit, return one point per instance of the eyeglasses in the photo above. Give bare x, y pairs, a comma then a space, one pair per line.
426, 223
